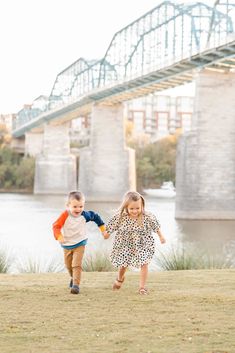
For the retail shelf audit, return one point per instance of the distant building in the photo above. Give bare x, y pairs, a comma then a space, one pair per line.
80, 130
155, 116
7, 120
159, 115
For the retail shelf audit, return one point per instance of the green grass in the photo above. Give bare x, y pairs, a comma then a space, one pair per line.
181, 258
94, 262
185, 312
97, 262
36, 265
4, 261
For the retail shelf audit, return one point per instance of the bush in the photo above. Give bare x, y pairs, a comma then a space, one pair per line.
15, 171
182, 258
25, 173
155, 162
36, 265
4, 262
97, 262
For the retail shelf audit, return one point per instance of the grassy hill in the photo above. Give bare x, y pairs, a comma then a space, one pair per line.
185, 311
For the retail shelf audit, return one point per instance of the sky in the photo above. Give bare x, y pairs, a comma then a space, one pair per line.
40, 38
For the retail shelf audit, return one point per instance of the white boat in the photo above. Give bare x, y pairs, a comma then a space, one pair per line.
167, 190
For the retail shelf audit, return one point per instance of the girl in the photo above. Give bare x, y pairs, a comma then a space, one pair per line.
134, 243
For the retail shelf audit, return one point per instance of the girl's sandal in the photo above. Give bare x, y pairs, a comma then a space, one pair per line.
118, 283
143, 291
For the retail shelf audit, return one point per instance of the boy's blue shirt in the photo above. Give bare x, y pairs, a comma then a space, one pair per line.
92, 216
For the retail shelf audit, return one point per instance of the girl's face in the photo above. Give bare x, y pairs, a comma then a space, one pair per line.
134, 208
76, 207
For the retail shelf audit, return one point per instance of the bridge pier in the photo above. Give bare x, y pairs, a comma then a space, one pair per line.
107, 166
205, 172
33, 143
55, 170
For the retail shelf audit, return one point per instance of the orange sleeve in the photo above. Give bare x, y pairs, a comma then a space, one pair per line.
58, 224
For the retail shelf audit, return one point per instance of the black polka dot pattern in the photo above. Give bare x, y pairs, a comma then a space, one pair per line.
134, 243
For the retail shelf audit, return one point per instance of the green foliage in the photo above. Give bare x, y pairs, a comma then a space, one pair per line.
155, 163
3, 135
15, 171
4, 262
175, 259
37, 265
8, 156
97, 262
188, 258
25, 173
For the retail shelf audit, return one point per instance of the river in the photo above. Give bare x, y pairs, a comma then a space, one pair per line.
26, 227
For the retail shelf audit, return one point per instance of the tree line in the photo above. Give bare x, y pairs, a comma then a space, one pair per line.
16, 171
155, 163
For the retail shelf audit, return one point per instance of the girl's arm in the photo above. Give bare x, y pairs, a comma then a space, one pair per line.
156, 227
113, 224
161, 237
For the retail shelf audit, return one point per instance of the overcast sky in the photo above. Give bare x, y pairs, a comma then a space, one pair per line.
40, 38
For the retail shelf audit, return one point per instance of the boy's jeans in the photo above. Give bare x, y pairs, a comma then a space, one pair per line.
73, 263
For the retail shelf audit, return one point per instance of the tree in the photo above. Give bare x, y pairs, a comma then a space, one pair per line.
156, 162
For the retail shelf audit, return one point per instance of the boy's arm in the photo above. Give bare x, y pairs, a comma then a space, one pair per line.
94, 217
57, 226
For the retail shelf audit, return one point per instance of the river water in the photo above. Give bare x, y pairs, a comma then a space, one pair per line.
26, 228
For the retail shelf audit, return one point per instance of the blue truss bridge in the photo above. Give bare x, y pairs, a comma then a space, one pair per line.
160, 50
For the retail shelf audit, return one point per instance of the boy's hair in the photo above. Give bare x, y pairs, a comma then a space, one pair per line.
76, 195
129, 197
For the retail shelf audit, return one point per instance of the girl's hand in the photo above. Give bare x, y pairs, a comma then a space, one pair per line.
162, 239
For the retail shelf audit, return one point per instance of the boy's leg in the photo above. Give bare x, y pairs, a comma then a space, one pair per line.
77, 264
68, 257
143, 275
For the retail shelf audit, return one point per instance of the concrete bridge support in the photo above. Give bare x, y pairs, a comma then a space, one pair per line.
107, 166
33, 143
205, 173
56, 170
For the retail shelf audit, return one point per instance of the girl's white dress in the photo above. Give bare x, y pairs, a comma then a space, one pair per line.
134, 243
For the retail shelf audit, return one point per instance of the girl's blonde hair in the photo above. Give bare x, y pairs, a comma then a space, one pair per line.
129, 197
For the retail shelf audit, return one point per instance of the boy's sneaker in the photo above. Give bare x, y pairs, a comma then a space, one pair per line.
75, 289
71, 283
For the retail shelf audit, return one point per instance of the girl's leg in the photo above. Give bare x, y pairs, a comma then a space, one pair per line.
121, 273
143, 276
120, 278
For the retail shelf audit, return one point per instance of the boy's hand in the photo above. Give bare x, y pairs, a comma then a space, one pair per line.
105, 235
61, 239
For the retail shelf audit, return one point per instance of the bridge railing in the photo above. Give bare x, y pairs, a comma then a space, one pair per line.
165, 35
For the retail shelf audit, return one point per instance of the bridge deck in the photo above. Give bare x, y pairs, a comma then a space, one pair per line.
221, 58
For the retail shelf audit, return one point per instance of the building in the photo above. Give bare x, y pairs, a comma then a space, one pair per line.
159, 115
154, 116
7, 120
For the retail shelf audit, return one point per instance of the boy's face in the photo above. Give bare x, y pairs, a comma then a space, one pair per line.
76, 207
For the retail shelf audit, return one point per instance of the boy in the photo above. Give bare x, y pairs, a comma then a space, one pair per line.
70, 230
